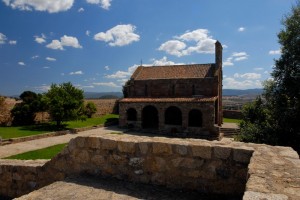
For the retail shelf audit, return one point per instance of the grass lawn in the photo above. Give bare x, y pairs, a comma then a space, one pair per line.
227, 120
46, 153
22, 131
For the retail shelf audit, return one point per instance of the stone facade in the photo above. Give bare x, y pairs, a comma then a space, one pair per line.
184, 99
231, 168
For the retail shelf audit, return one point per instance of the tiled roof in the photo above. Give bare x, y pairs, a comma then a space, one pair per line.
174, 72
168, 100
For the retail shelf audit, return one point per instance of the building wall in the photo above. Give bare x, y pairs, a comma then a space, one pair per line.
208, 129
174, 87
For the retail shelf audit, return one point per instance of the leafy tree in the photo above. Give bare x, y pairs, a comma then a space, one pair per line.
64, 102
90, 109
283, 93
24, 113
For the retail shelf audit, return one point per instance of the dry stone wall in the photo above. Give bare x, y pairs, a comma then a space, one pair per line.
233, 168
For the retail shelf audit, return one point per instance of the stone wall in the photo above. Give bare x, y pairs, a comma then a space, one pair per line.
233, 168
232, 114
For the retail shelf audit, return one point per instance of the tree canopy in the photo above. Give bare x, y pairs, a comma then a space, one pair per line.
281, 108
64, 102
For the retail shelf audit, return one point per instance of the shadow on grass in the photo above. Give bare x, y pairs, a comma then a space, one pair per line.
111, 122
44, 127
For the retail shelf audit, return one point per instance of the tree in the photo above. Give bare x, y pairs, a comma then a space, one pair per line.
64, 102
282, 94
90, 109
24, 113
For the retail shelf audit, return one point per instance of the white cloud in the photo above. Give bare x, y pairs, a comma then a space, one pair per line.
55, 44
106, 68
247, 75
40, 39
81, 10
164, 61
275, 52
119, 35
197, 41
258, 69
21, 63
119, 74
46, 67
105, 4
70, 41
12, 42
64, 41
50, 59
173, 47
51, 6
109, 84
232, 83
35, 57
228, 62
88, 32
241, 29
3, 38
42, 88
76, 73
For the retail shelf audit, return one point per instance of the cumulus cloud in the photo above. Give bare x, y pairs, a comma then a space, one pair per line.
119, 74
247, 75
232, 83
12, 42
109, 84
197, 41
106, 67
275, 52
81, 10
42, 88
21, 63
3, 38
50, 59
241, 29
105, 4
235, 57
51, 6
88, 32
258, 68
64, 41
40, 39
119, 35
76, 73
164, 61
35, 57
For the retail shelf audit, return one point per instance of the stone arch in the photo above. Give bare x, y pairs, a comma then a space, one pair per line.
131, 114
173, 116
150, 117
195, 118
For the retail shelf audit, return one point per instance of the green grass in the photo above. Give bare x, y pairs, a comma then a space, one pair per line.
227, 120
22, 131
46, 153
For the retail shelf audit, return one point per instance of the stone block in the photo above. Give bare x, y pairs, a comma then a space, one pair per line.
126, 147
243, 155
108, 144
203, 151
250, 195
93, 142
97, 160
181, 149
80, 141
161, 148
222, 152
144, 147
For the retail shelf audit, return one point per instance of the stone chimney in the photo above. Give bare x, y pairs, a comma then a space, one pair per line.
218, 54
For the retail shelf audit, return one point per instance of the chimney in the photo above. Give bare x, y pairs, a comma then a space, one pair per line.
218, 54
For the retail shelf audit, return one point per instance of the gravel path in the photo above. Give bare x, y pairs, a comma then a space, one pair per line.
17, 148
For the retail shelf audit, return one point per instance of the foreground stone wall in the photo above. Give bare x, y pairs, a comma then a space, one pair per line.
233, 168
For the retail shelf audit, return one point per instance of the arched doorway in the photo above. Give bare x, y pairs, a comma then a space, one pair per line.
131, 114
150, 117
173, 116
195, 118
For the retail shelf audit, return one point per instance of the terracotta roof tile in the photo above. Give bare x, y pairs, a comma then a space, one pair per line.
168, 100
174, 72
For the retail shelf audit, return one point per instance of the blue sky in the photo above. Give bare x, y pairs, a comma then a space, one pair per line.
97, 44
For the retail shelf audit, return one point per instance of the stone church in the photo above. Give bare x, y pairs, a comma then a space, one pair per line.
178, 99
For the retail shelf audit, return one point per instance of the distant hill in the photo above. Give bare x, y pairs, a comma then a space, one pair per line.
103, 95
249, 92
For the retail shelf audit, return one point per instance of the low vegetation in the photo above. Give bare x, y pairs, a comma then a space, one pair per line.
46, 153
228, 120
22, 131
